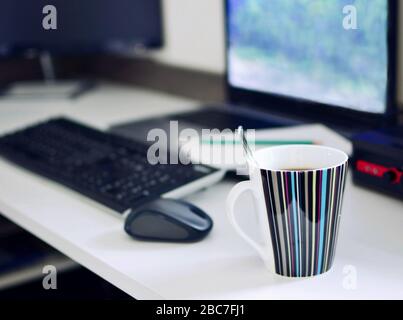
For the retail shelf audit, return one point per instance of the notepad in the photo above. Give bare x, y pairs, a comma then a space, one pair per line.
230, 156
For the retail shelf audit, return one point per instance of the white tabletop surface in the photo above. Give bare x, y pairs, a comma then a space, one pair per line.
369, 259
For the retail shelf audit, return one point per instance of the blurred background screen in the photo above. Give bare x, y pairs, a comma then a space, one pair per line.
82, 26
300, 48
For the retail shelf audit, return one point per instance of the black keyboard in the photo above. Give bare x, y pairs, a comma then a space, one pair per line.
216, 118
107, 168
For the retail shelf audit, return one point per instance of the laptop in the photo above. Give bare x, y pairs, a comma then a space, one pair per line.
290, 62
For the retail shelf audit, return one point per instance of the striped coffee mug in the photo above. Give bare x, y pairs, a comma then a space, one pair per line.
298, 193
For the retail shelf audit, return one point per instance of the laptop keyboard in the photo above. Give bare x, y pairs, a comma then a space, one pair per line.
212, 119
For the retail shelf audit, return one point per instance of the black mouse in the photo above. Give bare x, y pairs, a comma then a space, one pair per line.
168, 220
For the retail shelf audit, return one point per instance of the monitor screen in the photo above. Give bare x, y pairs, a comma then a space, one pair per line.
333, 52
79, 26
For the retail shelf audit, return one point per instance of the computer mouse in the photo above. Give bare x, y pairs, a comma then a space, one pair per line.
169, 221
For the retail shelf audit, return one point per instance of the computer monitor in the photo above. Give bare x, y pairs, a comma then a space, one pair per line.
77, 27
331, 57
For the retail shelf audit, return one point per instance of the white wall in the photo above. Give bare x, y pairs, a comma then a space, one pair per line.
194, 33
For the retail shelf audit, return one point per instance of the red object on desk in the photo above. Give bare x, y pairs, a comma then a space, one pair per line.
380, 171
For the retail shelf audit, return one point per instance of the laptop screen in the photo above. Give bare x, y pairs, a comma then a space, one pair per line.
329, 51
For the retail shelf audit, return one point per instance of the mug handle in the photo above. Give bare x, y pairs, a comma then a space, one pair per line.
235, 193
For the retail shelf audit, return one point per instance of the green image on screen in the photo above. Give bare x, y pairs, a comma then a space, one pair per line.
302, 49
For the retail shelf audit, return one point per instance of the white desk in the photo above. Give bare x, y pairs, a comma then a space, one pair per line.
222, 266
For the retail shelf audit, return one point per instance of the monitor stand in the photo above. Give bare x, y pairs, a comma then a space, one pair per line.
50, 87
